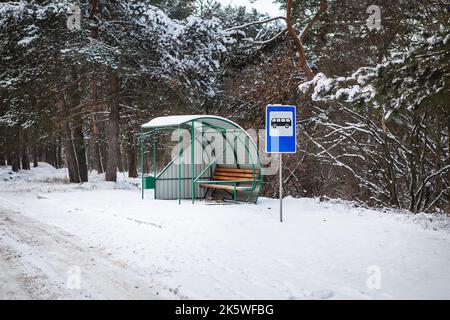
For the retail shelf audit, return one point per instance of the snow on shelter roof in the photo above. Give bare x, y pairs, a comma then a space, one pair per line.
171, 121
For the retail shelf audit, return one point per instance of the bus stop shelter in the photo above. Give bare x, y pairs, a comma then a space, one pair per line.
211, 157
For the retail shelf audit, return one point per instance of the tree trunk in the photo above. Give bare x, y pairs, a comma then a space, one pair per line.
15, 157
69, 151
35, 156
58, 155
119, 159
2, 157
125, 161
54, 160
25, 157
2, 147
78, 136
9, 158
448, 156
95, 153
103, 152
15, 164
298, 43
113, 132
131, 155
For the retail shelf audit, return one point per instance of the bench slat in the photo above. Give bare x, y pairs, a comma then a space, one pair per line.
238, 170
226, 178
226, 187
234, 174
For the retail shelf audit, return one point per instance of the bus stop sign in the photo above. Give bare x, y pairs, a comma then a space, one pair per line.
280, 129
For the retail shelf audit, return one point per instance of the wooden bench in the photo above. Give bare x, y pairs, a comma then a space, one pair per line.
229, 178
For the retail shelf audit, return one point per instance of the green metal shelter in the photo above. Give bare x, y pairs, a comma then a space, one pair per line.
212, 157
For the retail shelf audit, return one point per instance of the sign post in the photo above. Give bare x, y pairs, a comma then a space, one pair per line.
281, 187
281, 136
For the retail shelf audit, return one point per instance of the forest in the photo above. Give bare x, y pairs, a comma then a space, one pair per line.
78, 78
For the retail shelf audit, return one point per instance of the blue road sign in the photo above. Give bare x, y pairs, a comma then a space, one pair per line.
280, 129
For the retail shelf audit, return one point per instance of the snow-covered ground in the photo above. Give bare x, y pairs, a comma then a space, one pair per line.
101, 240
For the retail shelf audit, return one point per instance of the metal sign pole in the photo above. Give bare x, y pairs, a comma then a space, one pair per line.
281, 136
281, 187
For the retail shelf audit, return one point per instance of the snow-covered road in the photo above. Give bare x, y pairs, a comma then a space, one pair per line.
40, 261
126, 247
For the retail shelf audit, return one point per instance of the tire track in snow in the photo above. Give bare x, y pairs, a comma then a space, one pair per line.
35, 260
